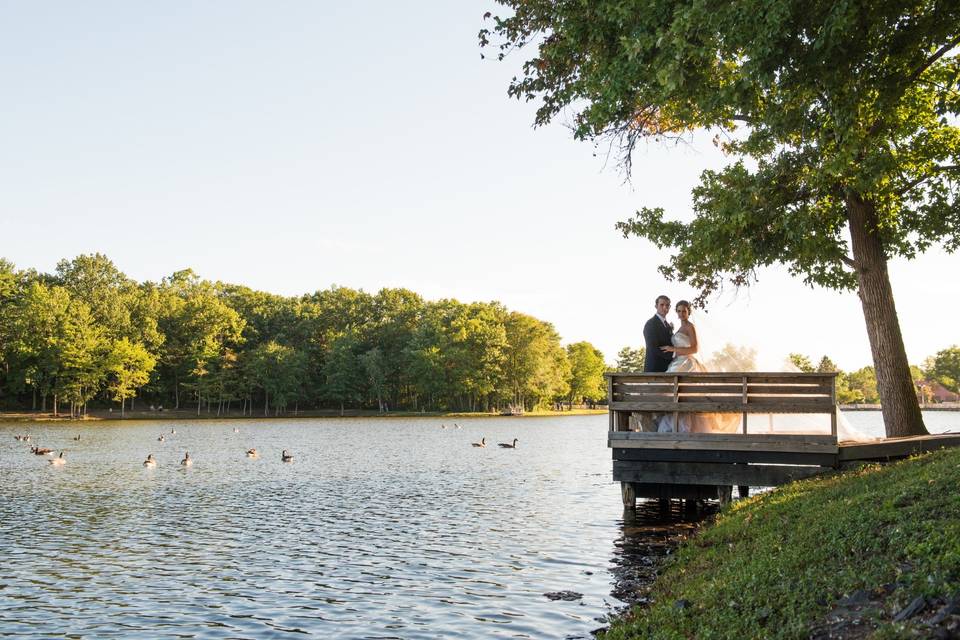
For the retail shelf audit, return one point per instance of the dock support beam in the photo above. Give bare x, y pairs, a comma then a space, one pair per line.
629, 494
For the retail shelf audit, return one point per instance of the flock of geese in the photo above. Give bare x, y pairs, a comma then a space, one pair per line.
483, 441
150, 462
187, 461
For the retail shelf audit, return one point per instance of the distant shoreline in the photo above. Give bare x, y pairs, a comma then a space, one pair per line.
100, 415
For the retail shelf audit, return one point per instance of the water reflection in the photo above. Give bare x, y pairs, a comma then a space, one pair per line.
648, 535
378, 528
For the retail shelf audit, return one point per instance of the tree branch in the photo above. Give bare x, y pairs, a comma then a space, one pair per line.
936, 56
913, 183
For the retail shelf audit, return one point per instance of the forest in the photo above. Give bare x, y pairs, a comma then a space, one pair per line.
87, 335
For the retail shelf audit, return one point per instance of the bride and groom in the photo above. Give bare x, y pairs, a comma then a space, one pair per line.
668, 351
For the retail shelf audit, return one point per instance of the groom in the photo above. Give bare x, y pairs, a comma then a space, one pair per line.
656, 334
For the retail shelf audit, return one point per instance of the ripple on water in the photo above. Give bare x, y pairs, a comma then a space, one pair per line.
384, 528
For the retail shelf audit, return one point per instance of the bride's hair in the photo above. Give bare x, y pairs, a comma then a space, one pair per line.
684, 304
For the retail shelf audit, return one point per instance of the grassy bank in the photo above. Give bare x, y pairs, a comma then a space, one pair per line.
835, 557
191, 414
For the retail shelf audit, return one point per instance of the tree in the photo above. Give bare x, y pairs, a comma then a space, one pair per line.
374, 368
535, 366
848, 115
343, 372
586, 373
631, 359
801, 362
128, 368
945, 368
864, 382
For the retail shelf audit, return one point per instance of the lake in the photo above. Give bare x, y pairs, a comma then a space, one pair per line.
379, 528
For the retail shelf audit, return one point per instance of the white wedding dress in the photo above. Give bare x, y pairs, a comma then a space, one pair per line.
694, 422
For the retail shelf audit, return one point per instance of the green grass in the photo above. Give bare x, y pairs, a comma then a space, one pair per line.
774, 565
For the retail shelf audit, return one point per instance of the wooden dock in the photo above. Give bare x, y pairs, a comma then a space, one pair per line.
687, 465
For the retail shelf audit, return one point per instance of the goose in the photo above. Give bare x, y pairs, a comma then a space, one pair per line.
456, 426
59, 461
173, 431
41, 451
161, 438
286, 457
507, 445
235, 430
252, 453
77, 437
150, 461
187, 461
443, 426
482, 443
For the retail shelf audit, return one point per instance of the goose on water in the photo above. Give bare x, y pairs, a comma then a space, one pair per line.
77, 437
252, 453
286, 457
187, 460
41, 451
150, 461
59, 461
507, 445
161, 438
482, 443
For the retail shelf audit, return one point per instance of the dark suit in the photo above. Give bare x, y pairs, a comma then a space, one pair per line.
656, 335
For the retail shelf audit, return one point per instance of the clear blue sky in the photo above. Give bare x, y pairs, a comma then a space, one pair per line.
292, 146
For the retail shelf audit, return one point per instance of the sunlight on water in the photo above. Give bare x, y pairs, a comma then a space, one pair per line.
379, 528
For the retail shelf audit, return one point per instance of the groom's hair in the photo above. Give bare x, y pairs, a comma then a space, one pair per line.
659, 298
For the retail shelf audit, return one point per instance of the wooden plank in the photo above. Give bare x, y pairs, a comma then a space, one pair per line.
653, 387
800, 443
799, 447
686, 387
665, 396
820, 438
892, 448
725, 456
789, 390
755, 376
721, 407
712, 473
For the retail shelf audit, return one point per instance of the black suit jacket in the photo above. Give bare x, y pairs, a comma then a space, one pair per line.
656, 335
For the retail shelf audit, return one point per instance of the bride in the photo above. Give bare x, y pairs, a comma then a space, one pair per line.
683, 348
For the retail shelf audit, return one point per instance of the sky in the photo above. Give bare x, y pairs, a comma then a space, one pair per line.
294, 146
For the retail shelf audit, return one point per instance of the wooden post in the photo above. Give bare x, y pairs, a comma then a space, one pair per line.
725, 494
744, 414
833, 414
610, 402
629, 495
676, 401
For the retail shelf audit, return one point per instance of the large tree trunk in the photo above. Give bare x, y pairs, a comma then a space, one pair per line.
898, 398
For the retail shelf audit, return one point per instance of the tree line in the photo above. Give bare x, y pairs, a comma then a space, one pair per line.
89, 334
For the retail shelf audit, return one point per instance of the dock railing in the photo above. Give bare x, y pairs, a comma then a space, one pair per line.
695, 465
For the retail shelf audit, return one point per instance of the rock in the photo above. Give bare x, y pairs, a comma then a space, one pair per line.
855, 599
952, 606
919, 604
563, 595
681, 604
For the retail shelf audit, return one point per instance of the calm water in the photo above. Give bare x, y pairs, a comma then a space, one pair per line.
380, 528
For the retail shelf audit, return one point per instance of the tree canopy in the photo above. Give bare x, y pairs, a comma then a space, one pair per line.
839, 118
89, 333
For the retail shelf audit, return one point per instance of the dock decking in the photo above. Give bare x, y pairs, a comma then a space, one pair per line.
707, 465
